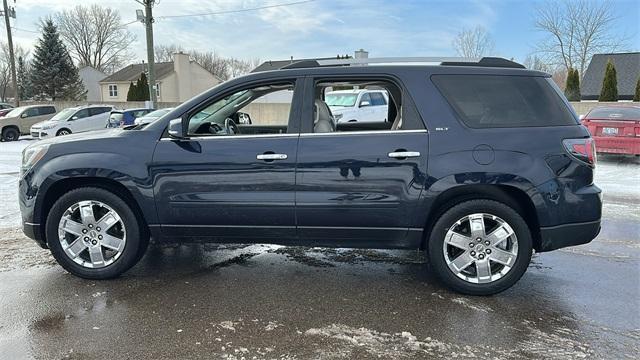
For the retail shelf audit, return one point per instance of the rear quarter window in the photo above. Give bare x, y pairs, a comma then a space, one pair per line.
496, 101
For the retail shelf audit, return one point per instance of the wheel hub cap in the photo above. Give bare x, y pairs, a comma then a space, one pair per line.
92, 234
480, 248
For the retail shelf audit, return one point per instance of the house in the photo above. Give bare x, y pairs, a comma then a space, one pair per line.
176, 81
627, 70
91, 77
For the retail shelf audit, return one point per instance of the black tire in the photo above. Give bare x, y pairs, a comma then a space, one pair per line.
63, 132
136, 240
10, 134
450, 217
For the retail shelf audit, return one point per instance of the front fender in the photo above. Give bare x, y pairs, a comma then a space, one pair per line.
121, 169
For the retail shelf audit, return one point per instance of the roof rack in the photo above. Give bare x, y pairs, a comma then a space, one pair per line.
447, 61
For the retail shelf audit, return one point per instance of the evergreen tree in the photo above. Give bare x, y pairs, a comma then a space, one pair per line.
143, 87
53, 75
609, 90
24, 80
132, 94
636, 97
572, 88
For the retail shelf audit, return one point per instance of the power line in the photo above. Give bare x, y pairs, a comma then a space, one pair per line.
25, 30
236, 11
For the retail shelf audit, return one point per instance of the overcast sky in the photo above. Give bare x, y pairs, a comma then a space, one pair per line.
327, 27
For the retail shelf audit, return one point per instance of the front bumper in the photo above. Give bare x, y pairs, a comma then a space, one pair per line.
557, 237
38, 134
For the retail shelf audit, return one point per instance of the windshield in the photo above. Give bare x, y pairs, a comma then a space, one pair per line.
336, 99
15, 112
64, 114
157, 113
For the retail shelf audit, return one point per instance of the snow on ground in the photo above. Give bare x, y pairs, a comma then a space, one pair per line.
10, 158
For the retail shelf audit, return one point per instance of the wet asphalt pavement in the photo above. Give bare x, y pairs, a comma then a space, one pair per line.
275, 302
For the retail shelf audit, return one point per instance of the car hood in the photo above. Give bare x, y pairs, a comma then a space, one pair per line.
7, 119
340, 109
83, 136
45, 123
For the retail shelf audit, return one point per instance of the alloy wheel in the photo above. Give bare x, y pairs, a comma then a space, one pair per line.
480, 248
92, 234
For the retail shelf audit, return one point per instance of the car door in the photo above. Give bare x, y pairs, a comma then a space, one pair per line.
361, 186
365, 111
222, 183
28, 118
97, 118
379, 107
77, 122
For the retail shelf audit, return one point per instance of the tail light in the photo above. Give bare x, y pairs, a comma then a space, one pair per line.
582, 149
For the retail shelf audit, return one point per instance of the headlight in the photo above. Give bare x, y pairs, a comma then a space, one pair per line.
47, 127
31, 155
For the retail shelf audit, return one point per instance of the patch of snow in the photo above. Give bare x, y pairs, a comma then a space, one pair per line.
473, 305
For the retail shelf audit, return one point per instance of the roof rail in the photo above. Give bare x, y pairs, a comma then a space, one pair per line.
448, 61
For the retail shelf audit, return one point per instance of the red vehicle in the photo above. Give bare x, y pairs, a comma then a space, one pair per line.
615, 129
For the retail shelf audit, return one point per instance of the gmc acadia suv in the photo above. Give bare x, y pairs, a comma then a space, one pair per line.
479, 163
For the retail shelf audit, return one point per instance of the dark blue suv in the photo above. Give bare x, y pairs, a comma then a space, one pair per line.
478, 163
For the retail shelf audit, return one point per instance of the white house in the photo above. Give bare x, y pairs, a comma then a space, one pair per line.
176, 81
91, 80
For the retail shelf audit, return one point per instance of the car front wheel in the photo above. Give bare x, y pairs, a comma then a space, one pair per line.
480, 247
63, 132
94, 234
10, 134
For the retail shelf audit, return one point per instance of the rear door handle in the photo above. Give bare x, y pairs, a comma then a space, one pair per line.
404, 154
271, 157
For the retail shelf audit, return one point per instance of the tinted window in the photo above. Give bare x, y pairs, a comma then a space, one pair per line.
366, 98
377, 99
80, 114
31, 112
98, 110
615, 113
486, 101
44, 110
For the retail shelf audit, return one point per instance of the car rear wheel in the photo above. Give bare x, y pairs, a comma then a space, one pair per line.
10, 134
480, 247
62, 132
94, 234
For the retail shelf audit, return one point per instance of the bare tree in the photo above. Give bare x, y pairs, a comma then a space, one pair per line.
473, 43
224, 68
95, 36
534, 62
576, 30
5, 66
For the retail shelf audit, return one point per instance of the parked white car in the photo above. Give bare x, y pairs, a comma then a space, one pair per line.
73, 120
152, 116
358, 105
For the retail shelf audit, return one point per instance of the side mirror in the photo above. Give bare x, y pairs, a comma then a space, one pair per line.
23, 115
175, 129
581, 117
74, 118
364, 103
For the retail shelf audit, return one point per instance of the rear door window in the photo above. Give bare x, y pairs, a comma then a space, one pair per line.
494, 101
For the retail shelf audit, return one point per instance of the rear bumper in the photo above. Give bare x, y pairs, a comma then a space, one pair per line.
557, 237
33, 231
617, 145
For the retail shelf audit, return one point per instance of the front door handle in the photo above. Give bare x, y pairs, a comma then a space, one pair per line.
271, 157
403, 154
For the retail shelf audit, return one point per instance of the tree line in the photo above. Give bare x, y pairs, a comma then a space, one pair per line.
574, 31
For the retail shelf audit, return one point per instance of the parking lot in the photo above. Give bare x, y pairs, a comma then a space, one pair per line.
276, 302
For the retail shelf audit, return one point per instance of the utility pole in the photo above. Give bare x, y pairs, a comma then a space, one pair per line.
148, 21
7, 14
